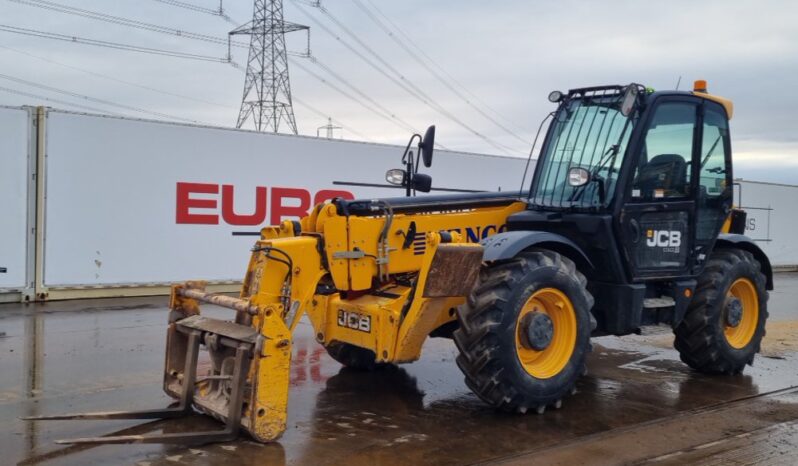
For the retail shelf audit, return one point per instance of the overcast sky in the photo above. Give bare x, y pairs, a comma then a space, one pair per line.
506, 55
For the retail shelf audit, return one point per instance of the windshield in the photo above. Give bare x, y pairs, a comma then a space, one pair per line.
589, 132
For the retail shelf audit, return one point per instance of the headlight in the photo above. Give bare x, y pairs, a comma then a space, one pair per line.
578, 176
396, 176
555, 96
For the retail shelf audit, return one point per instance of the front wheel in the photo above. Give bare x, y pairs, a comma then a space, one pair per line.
524, 332
725, 322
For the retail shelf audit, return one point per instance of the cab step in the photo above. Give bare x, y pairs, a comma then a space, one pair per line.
656, 303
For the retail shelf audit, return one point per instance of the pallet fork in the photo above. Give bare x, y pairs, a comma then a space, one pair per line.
220, 394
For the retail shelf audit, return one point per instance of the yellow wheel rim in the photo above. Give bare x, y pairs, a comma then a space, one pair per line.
550, 361
740, 335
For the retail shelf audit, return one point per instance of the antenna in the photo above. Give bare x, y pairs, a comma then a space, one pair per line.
679, 81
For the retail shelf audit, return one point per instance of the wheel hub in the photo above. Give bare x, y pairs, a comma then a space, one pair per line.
539, 330
734, 312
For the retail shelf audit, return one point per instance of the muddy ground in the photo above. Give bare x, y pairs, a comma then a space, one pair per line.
638, 403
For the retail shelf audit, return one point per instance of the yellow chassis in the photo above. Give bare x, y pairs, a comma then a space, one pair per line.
380, 282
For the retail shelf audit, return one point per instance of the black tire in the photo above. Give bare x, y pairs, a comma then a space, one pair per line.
354, 356
700, 337
487, 334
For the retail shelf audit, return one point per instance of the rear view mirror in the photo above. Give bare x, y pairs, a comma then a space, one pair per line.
410, 178
427, 145
629, 100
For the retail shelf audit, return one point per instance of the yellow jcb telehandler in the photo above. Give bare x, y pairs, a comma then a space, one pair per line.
627, 222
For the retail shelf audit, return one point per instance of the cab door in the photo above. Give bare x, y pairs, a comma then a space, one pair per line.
714, 191
658, 216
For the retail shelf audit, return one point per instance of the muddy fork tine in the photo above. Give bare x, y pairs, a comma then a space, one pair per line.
165, 413
183, 407
188, 438
230, 431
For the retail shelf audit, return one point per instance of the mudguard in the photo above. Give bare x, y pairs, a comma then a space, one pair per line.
731, 240
509, 244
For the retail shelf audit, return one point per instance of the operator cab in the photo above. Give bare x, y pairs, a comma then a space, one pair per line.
640, 180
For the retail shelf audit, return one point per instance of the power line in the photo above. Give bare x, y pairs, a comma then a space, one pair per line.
122, 21
111, 45
177, 32
370, 63
434, 63
410, 86
357, 52
385, 111
402, 81
111, 78
375, 107
142, 25
127, 22
432, 71
58, 101
94, 99
107, 112
190, 6
318, 77
417, 92
344, 93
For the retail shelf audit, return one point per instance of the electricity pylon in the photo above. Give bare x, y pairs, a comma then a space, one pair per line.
267, 89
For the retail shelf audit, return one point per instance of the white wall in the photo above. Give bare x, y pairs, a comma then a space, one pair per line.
112, 208
14, 125
112, 191
772, 218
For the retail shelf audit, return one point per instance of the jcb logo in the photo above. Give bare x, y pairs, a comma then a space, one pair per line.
664, 238
354, 321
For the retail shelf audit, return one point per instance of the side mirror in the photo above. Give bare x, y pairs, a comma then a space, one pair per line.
427, 144
629, 100
422, 182
578, 176
396, 176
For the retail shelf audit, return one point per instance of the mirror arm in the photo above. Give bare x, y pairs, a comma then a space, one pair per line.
407, 148
600, 181
410, 173
418, 157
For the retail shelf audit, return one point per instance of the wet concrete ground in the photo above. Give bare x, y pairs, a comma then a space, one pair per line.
638, 404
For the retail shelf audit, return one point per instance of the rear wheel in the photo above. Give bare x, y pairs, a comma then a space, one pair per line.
525, 332
353, 356
725, 322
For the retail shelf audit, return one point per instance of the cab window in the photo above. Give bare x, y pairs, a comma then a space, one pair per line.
664, 167
714, 173
713, 176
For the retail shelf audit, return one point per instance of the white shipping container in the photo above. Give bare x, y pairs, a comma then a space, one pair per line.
137, 202
14, 152
771, 218
134, 202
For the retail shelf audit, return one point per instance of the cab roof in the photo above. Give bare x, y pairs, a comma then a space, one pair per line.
699, 90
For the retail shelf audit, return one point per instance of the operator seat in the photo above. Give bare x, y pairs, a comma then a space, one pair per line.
666, 172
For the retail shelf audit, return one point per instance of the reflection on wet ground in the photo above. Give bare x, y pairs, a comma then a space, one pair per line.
107, 354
